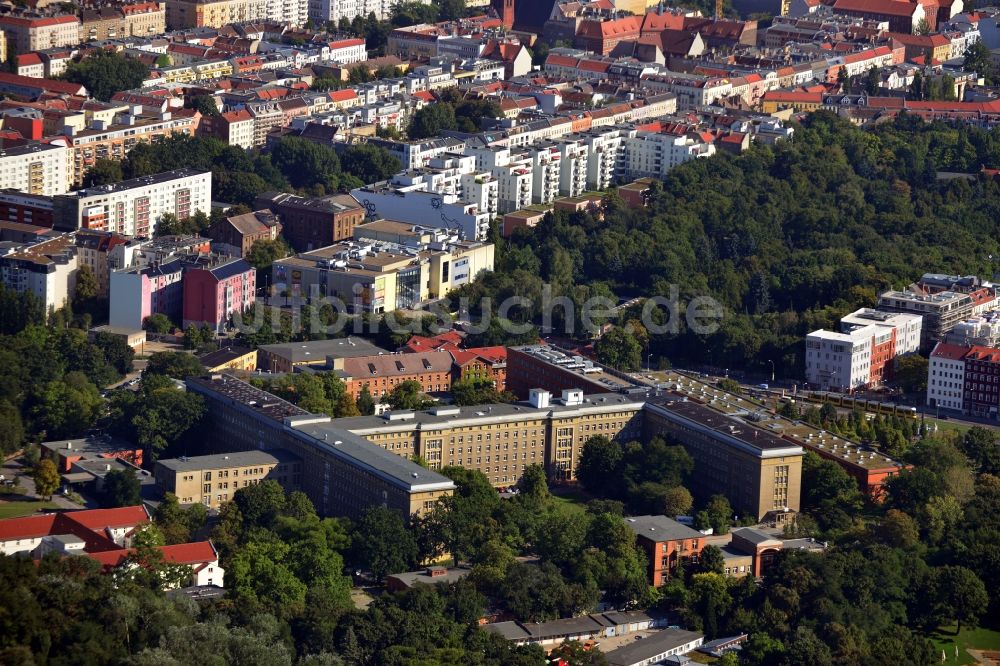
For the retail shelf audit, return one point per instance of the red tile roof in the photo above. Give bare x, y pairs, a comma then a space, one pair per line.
28, 59
949, 351
887, 7
980, 353
342, 95
447, 340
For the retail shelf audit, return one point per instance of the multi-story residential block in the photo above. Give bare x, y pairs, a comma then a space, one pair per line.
236, 234
29, 88
692, 91
982, 382
546, 173
940, 311
35, 169
233, 127
134, 207
572, 167
34, 33
140, 19
215, 288
342, 473
389, 266
113, 141
212, 480
213, 13
946, 376
335, 10
95, 249
653, 155
47, 270
139, 292
846, 361
449, 197
29, 209
312, 223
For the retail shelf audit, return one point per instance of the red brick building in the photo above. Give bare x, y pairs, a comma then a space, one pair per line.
384, 372
603, 36
667, 543
240, 232
488, 362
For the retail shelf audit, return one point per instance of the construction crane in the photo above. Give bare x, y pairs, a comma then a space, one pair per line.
718, 9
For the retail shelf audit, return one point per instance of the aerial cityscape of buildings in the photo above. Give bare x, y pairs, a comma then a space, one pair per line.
208, 209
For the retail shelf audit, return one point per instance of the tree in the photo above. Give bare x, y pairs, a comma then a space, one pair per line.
205, 104
365, 401
177, 365
899, 530
260, 504
677, 501
720, 513
158, 323
86, 287
383, 544
711, 560
431, 120
117, 352
620, 349
263, 253
478, 391
104, 172
11, 428
369, 163
104, 73
978, 59
408, 395
911, 373
121, 488
599, 465
46, 478
961, 594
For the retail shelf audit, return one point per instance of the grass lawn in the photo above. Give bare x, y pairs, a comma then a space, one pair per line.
18, 509
977, 639
571, 501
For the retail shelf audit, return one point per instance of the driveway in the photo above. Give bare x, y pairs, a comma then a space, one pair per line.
14, 469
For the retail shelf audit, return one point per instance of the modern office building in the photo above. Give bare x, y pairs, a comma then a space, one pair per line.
213, 479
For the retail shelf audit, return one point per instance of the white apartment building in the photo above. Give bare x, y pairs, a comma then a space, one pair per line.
572, 168
512, 172
47, 270
946, 376
653, 155
134, 207
35, 169
346, 51
334, 10
450, 193
839, 361
291, 12
906, 326
605, 155
545, 173
692, 91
